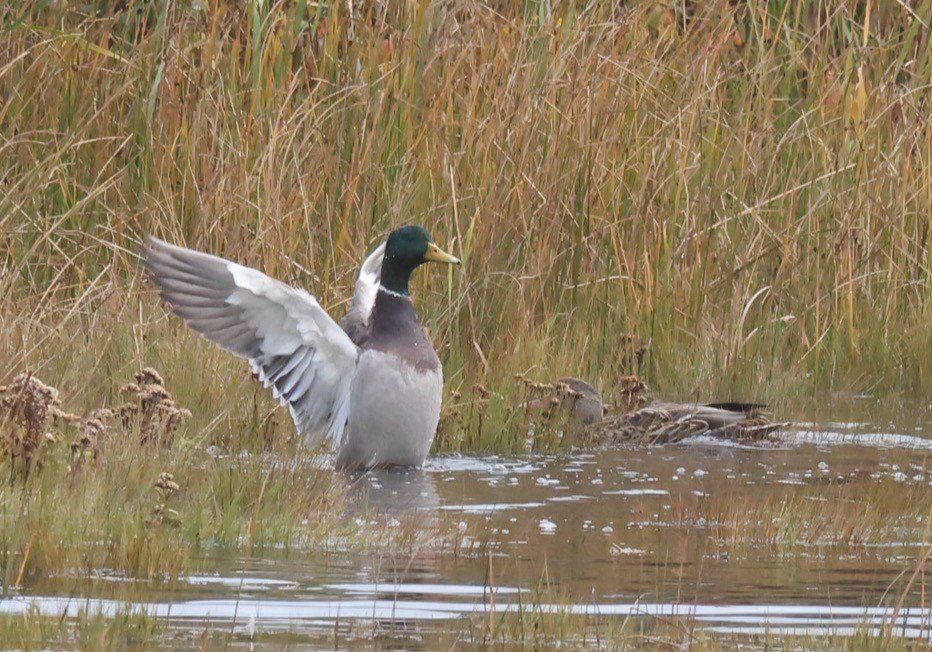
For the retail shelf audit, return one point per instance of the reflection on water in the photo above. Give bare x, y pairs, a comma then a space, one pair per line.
740, 540
393, 491
308, 615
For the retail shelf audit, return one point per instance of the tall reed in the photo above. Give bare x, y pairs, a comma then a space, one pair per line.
732, 201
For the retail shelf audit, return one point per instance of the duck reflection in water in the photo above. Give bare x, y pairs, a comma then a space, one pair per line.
393, 492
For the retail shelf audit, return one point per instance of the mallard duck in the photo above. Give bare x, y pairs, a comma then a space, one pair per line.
659, 422
371, 384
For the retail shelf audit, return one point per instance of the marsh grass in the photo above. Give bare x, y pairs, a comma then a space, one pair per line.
732, 202
740, 193
533, 625
127, 630
147, 507
120, 513
138, 631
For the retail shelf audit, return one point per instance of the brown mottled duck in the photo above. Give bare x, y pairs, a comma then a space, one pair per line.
657, 422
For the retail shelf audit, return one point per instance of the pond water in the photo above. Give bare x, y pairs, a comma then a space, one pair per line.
817, 534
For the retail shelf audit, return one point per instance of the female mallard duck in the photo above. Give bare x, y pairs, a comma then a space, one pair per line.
658, 422
372, 384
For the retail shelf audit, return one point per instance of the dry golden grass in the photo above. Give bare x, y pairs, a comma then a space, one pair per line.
741, 193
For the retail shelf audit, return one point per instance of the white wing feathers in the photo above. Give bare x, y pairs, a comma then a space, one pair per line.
291, 343
356, 320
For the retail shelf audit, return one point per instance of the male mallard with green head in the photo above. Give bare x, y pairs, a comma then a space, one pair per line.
372, 384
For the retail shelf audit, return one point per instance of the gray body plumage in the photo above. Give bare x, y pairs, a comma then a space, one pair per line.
371, 384
383, 382
397, 367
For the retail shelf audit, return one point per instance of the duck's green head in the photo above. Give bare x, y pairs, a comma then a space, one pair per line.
408, 248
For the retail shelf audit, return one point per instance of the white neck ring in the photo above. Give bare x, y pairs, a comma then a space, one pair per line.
392, 293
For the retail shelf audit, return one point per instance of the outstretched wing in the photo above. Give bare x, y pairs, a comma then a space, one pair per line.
291, 343
356, 320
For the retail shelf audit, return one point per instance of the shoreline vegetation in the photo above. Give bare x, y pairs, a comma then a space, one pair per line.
731, 202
